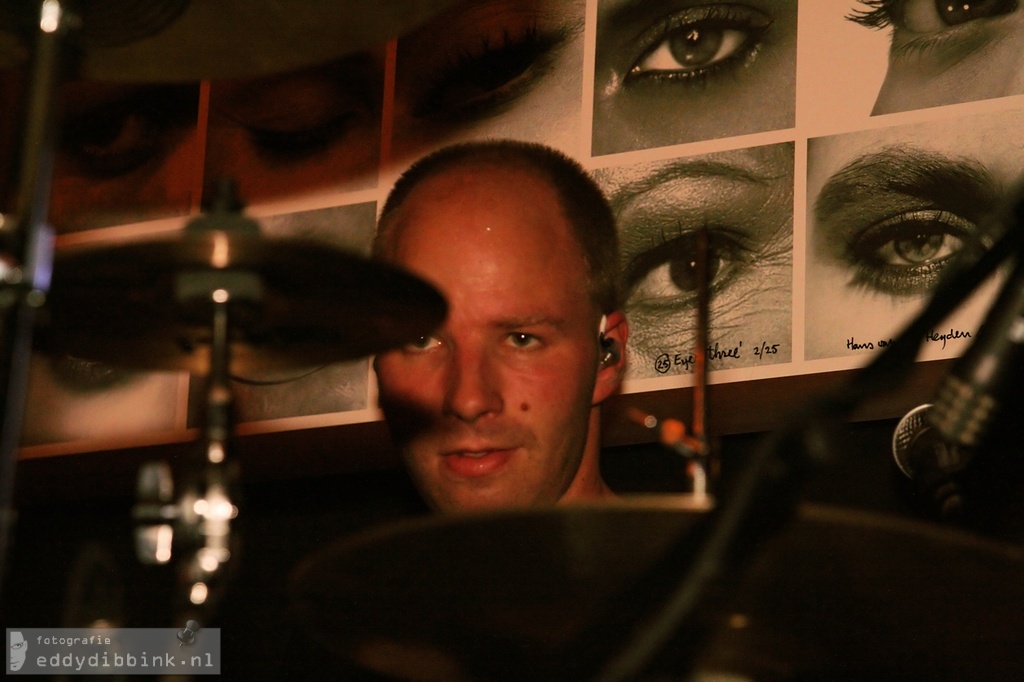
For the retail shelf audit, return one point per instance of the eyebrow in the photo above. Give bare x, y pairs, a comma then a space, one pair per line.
960, 184
686, 168
746, 195
513, 323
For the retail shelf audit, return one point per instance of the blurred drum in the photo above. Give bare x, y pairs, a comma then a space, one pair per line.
843, 594
555, 593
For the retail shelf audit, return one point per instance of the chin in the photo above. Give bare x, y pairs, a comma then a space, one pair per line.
475, 503
482, 501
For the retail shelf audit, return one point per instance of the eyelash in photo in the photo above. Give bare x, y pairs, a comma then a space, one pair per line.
880, 14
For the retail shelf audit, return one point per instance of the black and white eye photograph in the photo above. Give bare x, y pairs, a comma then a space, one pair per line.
673, 72
889, 212
744, 200
284, 135
491, 68
943, 52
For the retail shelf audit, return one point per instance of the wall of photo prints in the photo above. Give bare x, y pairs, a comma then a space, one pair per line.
838, 166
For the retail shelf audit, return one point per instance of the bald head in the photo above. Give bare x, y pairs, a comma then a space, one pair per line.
583, 205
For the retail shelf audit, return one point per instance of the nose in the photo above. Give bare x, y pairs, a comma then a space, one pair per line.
473, 386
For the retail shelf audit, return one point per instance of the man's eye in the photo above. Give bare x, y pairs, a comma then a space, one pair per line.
700, 40
907, 253
422, 343
523, 340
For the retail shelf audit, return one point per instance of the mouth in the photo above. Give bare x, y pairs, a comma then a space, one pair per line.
476, 462
475, 454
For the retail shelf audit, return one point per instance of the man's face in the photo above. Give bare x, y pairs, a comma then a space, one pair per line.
19, 649
493, 409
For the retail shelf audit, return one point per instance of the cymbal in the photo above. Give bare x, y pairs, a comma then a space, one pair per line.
504, 595
310, 304
485, 596
190, 40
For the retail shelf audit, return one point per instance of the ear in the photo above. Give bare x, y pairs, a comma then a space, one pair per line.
610, 373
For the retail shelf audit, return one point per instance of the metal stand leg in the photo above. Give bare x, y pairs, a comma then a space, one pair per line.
26, 248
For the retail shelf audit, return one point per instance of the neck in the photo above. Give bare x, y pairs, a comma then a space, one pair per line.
588, 484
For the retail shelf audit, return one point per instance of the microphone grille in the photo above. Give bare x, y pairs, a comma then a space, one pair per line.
908, 430
963, 412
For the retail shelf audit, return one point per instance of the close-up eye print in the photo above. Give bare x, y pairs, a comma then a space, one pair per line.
898, 216
492, 68
292, 134
744, 201
946, 53
674, 72
905, 254
695, 45
889, 212
126, 153
670, 270
73, 399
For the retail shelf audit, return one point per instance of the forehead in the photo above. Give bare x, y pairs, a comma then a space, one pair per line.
482, 203
478, 229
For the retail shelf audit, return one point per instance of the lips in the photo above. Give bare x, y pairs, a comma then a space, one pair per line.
477, 462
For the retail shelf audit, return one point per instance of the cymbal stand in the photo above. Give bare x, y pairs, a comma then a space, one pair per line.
202, 515
26, 246
702, 469
702, 466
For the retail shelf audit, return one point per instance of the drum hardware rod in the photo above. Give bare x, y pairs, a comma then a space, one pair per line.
200, 520
204, 512
213, 507
672, 433
703, 469
26, 246
760, 502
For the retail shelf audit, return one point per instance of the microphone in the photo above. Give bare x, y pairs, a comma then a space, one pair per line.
970, 397
930, 460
